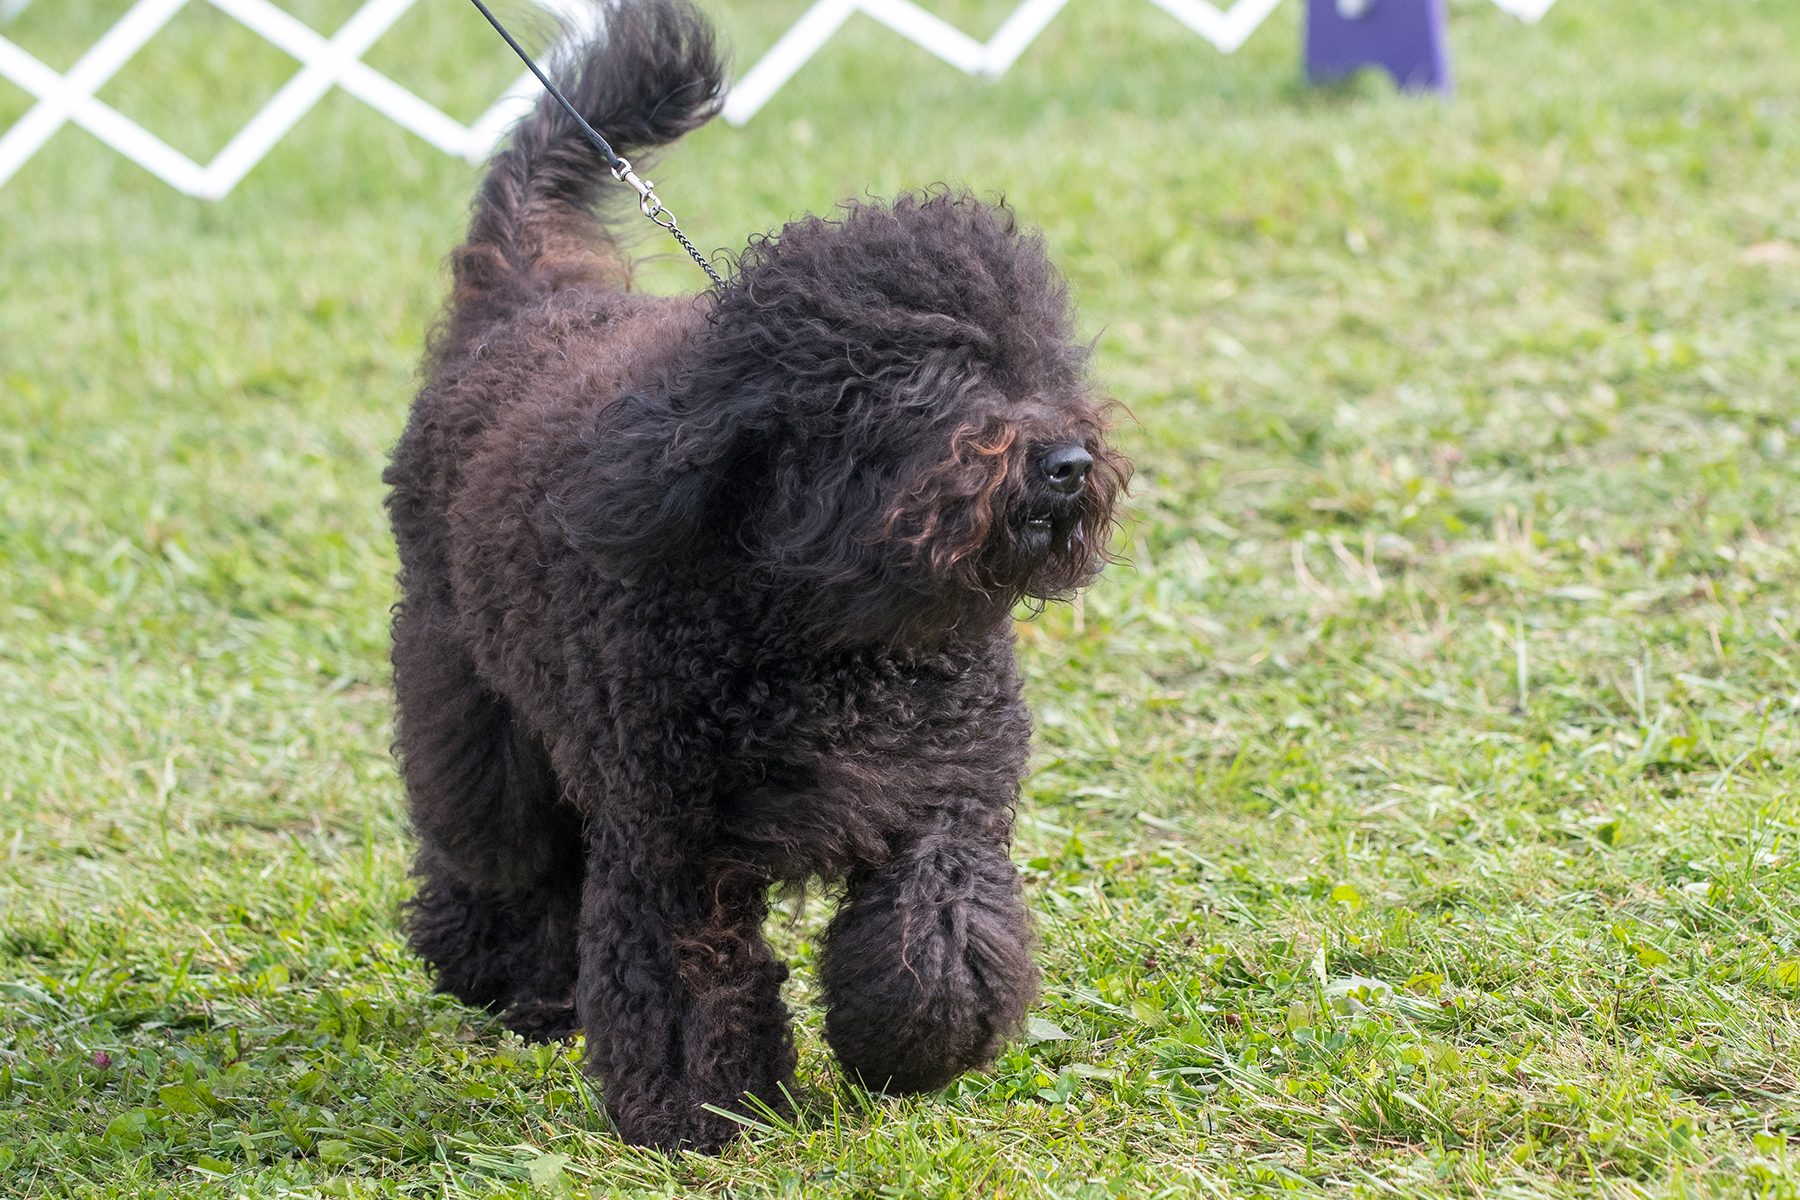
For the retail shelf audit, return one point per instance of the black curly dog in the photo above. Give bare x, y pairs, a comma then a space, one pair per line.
702, 595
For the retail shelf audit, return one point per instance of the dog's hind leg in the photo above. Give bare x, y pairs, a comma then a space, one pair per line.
512, 953
927, 965
478, 782
500, 861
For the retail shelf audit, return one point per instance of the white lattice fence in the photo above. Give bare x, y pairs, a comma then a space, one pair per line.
69, 97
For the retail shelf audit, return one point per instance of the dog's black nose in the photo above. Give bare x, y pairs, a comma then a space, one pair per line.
1066, 468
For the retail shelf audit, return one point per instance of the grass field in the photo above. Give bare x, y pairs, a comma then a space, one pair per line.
1414, 814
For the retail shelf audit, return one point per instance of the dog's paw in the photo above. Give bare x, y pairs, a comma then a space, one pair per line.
699, 1130
543, 1020
927, 970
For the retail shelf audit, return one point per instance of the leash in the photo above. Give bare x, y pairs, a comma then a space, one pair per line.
648, 204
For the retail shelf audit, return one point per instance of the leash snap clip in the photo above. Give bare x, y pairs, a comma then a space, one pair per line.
648, 202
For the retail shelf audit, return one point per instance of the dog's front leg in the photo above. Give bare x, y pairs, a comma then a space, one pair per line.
927, 965
678, 991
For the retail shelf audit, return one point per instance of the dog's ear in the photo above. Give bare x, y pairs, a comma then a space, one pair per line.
659, 480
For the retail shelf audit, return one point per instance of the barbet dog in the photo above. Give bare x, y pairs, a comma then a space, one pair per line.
707, 594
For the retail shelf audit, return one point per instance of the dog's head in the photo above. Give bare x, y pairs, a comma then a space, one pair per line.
888, 419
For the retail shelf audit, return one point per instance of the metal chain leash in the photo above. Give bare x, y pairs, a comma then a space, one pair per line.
653, 208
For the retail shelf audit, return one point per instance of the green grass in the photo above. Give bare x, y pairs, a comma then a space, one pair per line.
1414, 815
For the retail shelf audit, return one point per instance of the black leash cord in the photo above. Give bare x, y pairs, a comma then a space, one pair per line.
648, 203
588, 131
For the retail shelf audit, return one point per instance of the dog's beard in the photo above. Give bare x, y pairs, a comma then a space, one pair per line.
1053, 550
1045, 546
890, 591
1038, 548
950, 544
1045, 530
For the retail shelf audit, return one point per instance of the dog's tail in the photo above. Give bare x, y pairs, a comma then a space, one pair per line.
651, 73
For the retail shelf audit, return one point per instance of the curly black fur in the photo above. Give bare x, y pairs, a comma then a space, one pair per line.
701, 595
